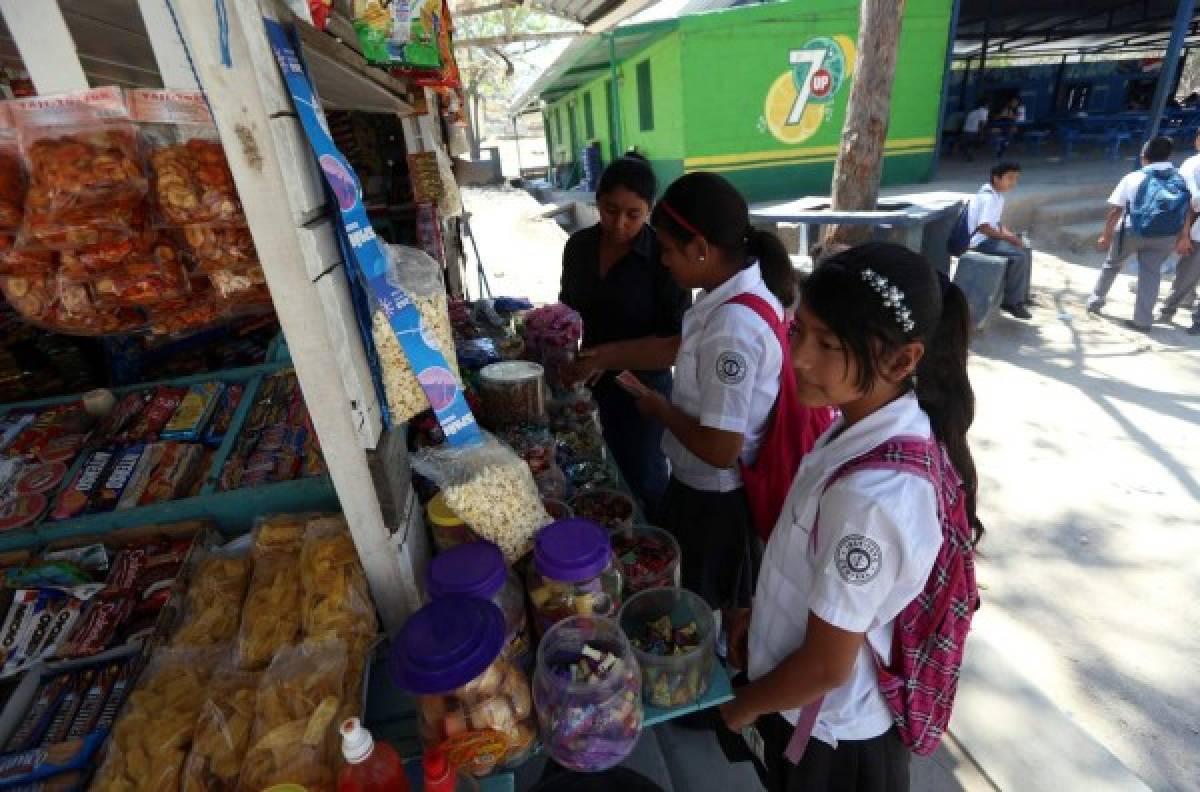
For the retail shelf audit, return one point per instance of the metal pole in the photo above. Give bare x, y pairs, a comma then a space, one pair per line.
517, 139
616, 91
1058, 82
1166, 77
941, 117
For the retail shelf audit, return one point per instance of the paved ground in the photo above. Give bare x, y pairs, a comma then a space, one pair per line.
1087, 441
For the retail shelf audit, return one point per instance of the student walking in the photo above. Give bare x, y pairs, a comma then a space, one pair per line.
990, 236
1187, 271
874, 506
1147, 211
727, 378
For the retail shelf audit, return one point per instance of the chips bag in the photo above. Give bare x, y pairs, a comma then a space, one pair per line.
222, 732
214, 600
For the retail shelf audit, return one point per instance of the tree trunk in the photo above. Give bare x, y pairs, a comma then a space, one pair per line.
860, 157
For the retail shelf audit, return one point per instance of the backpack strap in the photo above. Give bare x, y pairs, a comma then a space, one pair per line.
767, 313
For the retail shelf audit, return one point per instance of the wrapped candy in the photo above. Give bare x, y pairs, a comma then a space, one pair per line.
573, 573
649, 557
605, 506
673, 633
587, 692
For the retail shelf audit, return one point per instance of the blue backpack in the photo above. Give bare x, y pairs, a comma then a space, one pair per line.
960, 235
1159, 208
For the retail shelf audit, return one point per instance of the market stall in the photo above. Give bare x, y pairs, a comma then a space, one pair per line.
216, 536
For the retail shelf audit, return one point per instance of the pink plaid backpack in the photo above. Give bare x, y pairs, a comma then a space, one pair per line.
930, 633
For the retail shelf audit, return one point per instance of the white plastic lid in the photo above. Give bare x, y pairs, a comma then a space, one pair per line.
357, 743
511, 371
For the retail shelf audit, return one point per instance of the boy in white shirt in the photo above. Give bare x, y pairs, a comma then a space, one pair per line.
974, 129
993, 238
1151, 251
1187, 272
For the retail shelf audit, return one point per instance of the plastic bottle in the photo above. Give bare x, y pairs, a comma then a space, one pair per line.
441, 776
369, 767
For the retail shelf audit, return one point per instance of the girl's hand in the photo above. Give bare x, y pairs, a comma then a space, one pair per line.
735, 716
737, 630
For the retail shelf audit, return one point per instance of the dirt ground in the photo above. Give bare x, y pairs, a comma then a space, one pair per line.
1087, 439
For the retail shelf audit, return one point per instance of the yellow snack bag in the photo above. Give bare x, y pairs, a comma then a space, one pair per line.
222, 732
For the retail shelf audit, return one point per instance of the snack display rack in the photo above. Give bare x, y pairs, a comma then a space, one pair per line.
222, 49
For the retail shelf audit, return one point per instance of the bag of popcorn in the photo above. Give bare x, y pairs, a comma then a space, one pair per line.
491, 489
420, 277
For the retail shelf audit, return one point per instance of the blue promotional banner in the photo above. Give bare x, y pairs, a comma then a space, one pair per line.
432, 371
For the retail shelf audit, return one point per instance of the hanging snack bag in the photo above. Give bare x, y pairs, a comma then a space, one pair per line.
190, 180
402, 34
85, 176
295, 728
491, 489
214, 600
272, 613
12, 178
420, 277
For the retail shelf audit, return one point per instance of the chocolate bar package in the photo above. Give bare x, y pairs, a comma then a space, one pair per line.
194, 412
74, 500
140, 477
102, 685
119, 476
214, 435
37, 720
152, 419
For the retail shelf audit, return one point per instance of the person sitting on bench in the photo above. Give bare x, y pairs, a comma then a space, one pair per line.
991, 237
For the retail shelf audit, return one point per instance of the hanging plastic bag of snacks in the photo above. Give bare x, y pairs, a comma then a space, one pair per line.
12, 178
190, 180
85, 178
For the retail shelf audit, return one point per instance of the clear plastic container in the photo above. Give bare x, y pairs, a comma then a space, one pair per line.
477, 569
673, 635
573, 573
587, 693
605, 506
557, 509
648, 557
513, 392
471, 700
447, 528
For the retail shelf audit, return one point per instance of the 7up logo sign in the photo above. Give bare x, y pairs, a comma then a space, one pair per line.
801, 101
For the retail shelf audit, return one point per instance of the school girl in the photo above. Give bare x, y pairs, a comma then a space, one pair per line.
883, 337
726, 378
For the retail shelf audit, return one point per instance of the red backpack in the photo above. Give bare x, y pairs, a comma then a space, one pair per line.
930, 633
792, 430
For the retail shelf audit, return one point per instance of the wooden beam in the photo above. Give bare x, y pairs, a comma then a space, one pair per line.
169, 52
516, 38
45, 44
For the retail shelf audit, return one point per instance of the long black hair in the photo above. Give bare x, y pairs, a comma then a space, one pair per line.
868, 329
707, 205
632, 172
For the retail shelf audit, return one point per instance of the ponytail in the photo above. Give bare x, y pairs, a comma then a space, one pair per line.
945, 394
775, 263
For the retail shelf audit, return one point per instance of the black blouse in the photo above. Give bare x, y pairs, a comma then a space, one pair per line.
636, 299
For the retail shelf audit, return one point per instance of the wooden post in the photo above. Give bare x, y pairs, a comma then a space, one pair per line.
860, 156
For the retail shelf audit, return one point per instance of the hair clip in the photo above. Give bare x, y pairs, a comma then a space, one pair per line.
892, 298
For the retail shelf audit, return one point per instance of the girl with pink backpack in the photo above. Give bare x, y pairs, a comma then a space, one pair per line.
867, 586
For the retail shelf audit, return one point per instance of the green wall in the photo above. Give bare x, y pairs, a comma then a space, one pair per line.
731, 60
717, 70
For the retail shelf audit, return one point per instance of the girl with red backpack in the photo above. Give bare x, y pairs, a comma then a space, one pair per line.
728, 370
867, 585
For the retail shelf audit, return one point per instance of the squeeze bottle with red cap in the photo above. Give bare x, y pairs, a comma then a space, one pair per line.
369, 767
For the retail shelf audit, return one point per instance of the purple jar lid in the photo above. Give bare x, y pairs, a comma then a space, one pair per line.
572, 551
446, 644
476, 569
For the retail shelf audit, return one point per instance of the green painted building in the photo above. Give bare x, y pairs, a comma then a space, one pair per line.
757, 93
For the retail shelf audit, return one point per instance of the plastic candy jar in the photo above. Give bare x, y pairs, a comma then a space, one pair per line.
648, 557
573, 573
673, 634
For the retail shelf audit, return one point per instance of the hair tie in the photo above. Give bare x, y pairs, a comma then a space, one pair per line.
892, 297
678, 218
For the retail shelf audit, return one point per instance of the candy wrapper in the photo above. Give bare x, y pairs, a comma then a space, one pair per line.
490, 489
85, 177
105, 693
151, 420
214, 600
194, 411
421, 279
190, 180
271, 616
222, 732
295, 729
152, 738
75, 500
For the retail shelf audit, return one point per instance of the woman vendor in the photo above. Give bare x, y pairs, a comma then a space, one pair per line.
632, 314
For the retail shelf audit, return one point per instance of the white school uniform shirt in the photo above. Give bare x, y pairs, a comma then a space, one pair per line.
975, 119
876, 545
726, 376
1190, 171
986, 207
1126, 190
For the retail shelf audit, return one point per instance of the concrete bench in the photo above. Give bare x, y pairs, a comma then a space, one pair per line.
981, 277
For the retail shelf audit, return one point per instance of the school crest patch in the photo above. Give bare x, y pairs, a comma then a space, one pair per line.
858, 559
731, 367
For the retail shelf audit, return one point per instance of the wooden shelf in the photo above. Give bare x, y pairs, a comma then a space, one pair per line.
345, 79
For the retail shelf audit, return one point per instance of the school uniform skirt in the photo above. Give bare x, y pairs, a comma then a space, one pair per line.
879, 764
721, 554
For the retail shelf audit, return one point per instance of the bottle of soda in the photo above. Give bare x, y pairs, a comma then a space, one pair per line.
369, 767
